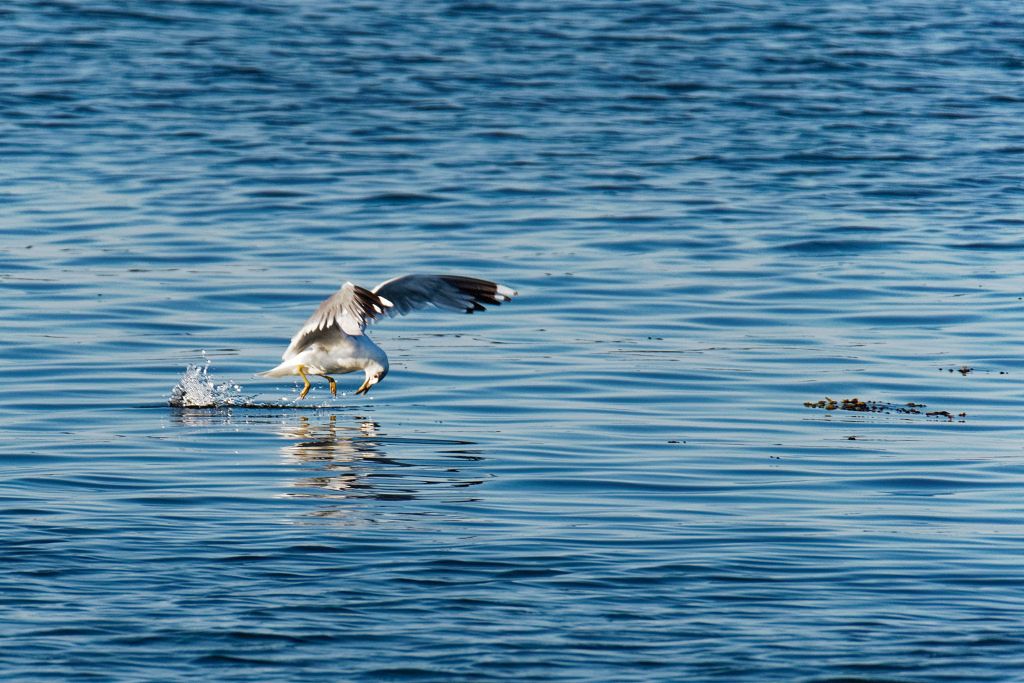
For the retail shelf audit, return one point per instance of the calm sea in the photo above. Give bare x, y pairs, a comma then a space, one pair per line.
714, 212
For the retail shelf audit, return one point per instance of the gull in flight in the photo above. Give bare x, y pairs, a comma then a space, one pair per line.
333, 341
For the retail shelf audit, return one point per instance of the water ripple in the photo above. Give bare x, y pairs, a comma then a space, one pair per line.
714, 212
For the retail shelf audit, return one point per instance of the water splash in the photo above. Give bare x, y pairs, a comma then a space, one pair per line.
197, 389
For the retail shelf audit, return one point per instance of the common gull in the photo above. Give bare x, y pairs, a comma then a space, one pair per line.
334, 342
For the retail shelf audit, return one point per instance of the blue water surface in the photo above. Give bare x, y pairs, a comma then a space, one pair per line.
714, 212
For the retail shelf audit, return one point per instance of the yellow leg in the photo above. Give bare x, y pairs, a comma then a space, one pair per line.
305, 389
334, 385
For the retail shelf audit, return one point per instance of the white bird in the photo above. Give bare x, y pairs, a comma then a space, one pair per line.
333, 340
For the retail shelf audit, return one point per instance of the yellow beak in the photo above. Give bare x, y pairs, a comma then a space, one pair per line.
365, 387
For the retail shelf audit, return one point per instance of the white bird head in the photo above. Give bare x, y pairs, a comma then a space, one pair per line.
375, 371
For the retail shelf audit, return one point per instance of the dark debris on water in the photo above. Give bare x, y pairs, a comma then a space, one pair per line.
967, 370
859, 406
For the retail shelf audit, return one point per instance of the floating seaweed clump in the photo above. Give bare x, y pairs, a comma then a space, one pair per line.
859, 406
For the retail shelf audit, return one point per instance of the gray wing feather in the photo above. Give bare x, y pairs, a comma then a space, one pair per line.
450, 292
350, 310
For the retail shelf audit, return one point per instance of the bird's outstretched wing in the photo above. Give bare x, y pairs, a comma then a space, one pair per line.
451, 292
349, 309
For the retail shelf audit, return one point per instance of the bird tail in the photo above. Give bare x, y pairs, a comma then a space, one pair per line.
283, 370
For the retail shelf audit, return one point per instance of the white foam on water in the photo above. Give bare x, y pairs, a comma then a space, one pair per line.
197, 389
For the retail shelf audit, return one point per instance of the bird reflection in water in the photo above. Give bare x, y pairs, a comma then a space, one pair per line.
351, 460
338, 450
